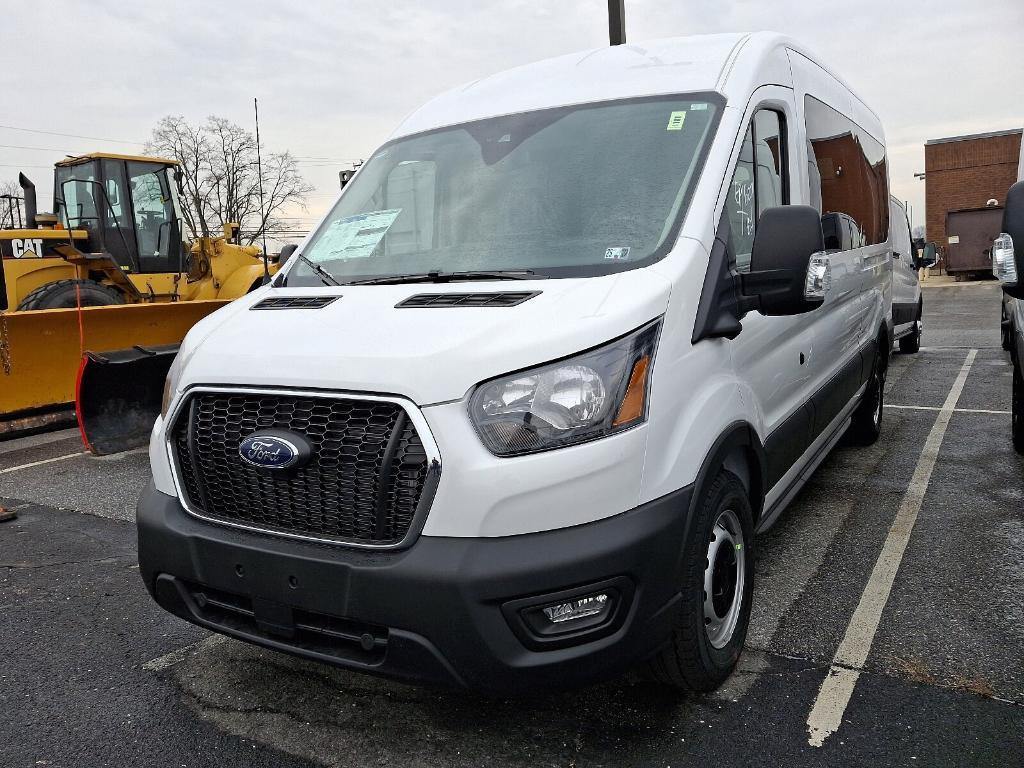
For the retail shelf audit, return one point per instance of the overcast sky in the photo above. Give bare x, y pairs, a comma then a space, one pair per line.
333, 78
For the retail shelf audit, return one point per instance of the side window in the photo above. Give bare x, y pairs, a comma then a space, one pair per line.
758, 183
847, 173
741, 204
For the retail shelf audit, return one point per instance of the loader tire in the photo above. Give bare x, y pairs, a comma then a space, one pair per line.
62, 295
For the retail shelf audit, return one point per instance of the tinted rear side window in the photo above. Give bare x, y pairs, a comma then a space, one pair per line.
847, 172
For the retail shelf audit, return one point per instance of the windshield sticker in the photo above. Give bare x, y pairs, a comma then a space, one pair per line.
354, 237
676, 120
699, 106
618, 254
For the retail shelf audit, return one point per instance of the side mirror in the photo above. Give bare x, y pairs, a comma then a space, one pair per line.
1008, 248
929, 255
286, 253
832, 229
344, 177
789, 269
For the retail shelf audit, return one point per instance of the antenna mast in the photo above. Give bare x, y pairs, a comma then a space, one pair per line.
263, 213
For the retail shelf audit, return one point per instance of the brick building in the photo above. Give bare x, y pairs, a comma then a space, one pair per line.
963, 172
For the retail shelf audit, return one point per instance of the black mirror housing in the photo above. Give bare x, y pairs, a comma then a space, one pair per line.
930, 255
1013, 225
786, 238
286, 253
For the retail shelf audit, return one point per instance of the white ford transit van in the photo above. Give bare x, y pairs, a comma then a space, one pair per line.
511, 416
907, 302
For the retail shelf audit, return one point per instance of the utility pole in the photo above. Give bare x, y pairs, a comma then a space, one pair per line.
616, 22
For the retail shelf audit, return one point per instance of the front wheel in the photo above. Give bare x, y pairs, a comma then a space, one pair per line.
911, 343
716, 590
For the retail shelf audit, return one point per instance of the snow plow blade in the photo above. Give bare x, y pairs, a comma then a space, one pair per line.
41, 358
119, 396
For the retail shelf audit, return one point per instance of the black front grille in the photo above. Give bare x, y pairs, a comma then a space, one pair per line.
363, 484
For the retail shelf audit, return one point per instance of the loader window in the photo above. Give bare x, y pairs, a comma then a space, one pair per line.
76, 196
113, 203
154, 216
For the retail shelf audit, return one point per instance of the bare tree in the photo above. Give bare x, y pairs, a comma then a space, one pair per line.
221, 179
10, 204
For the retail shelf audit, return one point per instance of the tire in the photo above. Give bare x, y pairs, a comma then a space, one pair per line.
866, 423
1017, 413
702, 652
1006, 329
911, 343
62, 295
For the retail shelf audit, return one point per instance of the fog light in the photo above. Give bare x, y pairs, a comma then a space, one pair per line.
573, 614
570, 616
591, 605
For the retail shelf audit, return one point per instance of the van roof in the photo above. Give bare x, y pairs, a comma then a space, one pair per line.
696, 63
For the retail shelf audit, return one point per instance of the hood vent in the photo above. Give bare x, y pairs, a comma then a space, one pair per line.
295, 302
441, 300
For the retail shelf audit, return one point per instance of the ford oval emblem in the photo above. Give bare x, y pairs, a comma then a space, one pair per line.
275, 449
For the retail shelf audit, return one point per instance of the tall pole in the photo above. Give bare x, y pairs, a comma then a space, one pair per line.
263, 213
616, 22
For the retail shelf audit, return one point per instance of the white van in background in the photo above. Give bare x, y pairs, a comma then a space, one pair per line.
511, 416
907, 302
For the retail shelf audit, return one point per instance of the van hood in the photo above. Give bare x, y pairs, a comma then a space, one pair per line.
362, 342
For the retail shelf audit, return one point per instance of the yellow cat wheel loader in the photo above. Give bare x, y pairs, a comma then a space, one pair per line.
100, 292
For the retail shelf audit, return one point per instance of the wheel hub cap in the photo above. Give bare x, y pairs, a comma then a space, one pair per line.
724, 579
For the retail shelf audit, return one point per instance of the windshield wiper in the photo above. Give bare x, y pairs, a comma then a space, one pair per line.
325, 277
450, 277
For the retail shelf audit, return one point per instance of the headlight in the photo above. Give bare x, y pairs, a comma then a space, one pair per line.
1004, 260
171, 384
590, 395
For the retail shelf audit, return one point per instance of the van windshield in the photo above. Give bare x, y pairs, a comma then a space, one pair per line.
573, 191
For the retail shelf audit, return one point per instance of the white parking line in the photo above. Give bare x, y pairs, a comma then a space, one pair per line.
939, 408
827, 713
40, 463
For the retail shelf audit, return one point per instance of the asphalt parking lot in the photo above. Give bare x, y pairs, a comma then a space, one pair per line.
861, 651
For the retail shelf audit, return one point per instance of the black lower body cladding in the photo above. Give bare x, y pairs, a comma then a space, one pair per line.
437, 612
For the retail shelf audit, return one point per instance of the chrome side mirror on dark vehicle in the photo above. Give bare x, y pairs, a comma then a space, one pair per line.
1008, 248
789, 269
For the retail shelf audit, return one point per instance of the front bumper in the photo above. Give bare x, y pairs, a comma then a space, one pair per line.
437, 612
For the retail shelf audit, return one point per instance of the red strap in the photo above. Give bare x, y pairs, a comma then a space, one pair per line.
82, 362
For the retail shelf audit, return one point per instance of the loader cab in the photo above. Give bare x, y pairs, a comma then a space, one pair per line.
127, 204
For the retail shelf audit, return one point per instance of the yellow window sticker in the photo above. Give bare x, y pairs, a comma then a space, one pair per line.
675, 121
